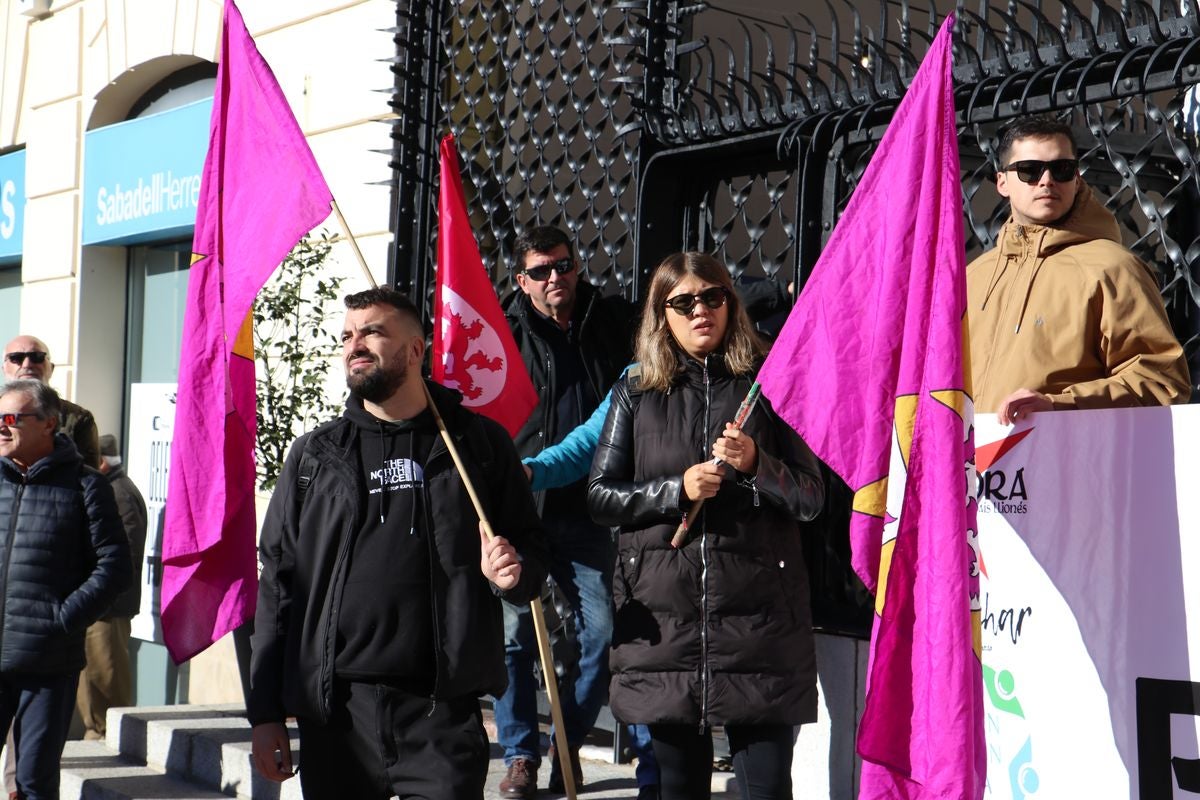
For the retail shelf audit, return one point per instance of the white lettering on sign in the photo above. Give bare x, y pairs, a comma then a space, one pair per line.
164, 193
8, 212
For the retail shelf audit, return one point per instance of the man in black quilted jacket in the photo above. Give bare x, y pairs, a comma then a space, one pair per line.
64, 558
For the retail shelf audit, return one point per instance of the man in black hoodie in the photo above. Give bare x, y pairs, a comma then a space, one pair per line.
378, 622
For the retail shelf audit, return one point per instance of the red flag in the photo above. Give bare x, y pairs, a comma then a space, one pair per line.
473, 349
261, 192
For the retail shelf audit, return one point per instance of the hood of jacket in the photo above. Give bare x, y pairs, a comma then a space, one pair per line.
1087, 221
64, 454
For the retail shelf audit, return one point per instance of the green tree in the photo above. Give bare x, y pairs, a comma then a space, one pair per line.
293, 350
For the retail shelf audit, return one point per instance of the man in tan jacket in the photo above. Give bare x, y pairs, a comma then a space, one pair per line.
1061, 314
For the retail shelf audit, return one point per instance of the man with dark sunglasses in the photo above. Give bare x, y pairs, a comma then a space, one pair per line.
575, 342
1061, 314
27, 357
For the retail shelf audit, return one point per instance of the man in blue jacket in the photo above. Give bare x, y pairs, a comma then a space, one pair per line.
64, 558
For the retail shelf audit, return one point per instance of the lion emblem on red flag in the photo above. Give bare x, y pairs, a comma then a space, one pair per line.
473, 356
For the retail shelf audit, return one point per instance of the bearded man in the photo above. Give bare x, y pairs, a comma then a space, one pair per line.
379, 622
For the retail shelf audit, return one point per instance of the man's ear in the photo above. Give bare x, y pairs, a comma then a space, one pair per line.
1002, 183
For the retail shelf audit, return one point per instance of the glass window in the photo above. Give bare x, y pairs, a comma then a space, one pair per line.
158, 275
10, 303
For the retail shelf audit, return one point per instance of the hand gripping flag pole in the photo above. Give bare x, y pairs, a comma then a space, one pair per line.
539, 615
739, 420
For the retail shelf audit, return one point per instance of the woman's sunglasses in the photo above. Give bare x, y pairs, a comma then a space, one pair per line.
714, 297
1061, 169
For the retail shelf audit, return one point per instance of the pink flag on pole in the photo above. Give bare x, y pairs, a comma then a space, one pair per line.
473, 348
260, 193
871, 370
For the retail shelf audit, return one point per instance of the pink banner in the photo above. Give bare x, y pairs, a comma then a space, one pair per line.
260, 193
869, 369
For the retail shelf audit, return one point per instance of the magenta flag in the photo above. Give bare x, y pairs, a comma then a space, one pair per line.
260, 193
871, 370
473, 347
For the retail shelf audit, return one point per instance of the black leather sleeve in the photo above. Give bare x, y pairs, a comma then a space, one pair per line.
614, 497
791, 478
517, 517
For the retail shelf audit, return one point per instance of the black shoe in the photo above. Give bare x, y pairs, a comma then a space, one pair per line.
520, 781
556, 779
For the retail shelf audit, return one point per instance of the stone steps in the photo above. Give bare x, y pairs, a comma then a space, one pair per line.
170, 752
203, 752
91, 770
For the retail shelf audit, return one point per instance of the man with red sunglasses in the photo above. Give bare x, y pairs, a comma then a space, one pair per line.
1061, 314
66, 560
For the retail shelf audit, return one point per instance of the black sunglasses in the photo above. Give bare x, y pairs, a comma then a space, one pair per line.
35, 356
1061, 169
542, 271
713, 297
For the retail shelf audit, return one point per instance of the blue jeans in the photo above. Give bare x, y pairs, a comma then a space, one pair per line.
581, 565
39, 709
647, 764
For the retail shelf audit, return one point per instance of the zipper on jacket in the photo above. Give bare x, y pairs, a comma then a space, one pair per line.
437, 634
704, 567
8, 549
751, 483
331, 623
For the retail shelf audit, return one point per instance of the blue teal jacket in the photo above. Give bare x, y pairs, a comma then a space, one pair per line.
569, 460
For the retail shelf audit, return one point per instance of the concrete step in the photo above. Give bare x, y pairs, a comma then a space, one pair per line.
91, 771
204, 752
208, 746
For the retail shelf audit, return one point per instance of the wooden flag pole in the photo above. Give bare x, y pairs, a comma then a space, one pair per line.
539, 615
354, 244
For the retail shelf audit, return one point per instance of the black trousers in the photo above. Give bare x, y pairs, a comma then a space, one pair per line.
39, 709
762, 760
382, 741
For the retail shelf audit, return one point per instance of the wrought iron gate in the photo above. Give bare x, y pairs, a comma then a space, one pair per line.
642, 127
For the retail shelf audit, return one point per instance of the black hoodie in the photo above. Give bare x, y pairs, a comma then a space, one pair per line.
387, 577
307, 538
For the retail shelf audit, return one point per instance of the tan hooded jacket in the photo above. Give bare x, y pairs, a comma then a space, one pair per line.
1067, 311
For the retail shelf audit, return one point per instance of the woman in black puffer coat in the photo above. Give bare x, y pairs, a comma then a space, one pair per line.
718, 631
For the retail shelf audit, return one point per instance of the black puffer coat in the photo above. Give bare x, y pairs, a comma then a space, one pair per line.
718, 631
64, 558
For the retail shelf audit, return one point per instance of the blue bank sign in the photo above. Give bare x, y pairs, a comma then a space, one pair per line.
12, 205
141, 178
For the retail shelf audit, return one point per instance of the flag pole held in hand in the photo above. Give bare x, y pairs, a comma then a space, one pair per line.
739, 420
539, 615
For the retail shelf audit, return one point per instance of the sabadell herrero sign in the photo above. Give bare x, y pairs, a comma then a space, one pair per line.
142, 177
